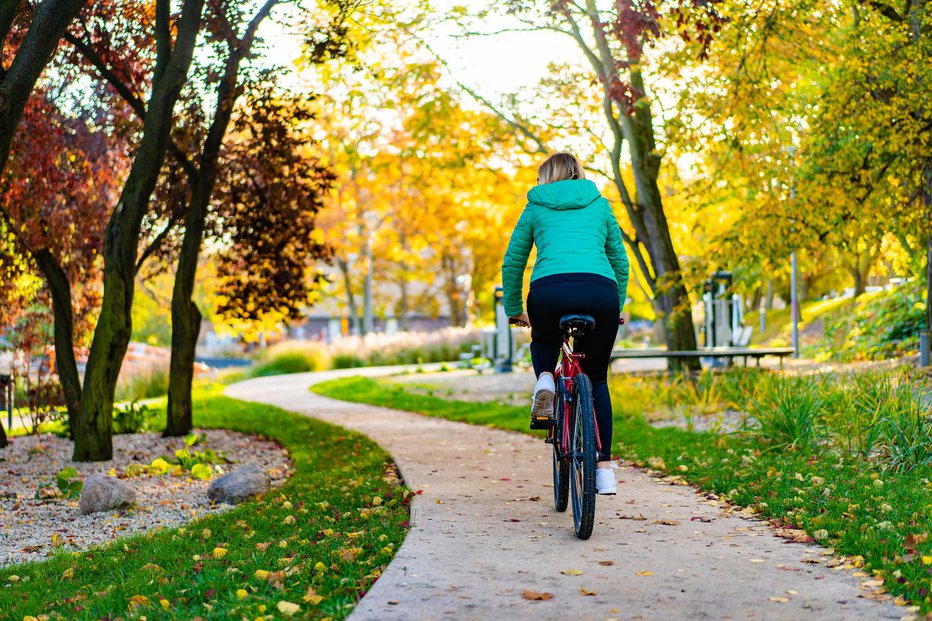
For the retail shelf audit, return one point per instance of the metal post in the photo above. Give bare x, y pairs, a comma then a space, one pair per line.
503, 344
794, 303
763, 315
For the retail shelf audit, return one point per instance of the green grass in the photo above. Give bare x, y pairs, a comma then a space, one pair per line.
878, 516
349, 515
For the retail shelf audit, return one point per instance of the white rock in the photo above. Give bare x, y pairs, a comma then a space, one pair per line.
239, 485
102, 492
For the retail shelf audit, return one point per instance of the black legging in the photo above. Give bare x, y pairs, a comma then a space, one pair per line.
552, 297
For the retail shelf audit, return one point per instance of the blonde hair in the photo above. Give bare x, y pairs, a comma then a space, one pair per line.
560, 167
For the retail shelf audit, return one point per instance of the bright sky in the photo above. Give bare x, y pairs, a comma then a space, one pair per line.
493, 65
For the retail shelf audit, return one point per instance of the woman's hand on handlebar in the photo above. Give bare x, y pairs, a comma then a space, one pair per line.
520, 320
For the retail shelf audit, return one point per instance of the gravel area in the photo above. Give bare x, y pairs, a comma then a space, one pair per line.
32, 528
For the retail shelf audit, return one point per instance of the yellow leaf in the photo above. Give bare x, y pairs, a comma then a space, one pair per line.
572, 572
779, 600
68, 573
261, 574
290, 519
311, 597
585, 591
536, 595
328, 532
287, 608
927, 560
320, 567
241, 593
645, 573
164, 603
137, 601
220, 552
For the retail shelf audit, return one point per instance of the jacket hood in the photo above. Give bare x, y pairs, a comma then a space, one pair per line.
562, 195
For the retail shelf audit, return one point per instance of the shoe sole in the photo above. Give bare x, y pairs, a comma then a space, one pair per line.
608, 493
543, 405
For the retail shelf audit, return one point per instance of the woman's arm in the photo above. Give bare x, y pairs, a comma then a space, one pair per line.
519, 249
617, 257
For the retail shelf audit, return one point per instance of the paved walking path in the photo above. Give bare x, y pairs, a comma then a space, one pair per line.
484, 531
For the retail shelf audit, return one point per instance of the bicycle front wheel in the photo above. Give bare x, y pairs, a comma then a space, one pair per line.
561, 465
583, 457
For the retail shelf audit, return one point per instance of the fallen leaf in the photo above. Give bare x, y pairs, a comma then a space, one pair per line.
572, 572
262, 574
220, 552
757, 560
700, 518
137, 601
645, 574
636, 518
287, 608
606, 563
666, 522
241, 593
311, 597
585, 591
779, 600
536, 596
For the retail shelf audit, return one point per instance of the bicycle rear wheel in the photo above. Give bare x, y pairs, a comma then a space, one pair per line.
561, 465
583, 457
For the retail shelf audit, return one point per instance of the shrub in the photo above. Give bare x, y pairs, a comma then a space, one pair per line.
144, 384
788, 412
131, 418
290, 357
374, 349
881, 326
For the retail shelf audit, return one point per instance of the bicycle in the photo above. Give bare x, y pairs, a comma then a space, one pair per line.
573, 431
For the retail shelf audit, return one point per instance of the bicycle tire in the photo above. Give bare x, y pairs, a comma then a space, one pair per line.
583, 458
561, 465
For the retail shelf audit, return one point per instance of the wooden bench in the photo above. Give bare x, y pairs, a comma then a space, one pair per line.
706, 352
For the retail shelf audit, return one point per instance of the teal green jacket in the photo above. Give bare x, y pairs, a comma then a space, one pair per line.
574, 230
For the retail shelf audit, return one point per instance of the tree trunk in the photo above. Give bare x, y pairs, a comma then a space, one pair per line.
186, 317
367, 318
768, 303
65, 363
673, 299
350, 298
186, 322
404, 305
855, 271
93, 427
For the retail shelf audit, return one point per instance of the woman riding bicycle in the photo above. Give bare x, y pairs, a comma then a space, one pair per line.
581, 267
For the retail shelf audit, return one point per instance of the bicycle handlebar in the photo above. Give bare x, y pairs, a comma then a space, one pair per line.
514, 322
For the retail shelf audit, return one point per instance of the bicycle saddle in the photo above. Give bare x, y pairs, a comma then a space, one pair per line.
579, 324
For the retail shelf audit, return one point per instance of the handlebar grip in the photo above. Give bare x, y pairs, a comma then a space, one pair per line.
513, 321
621, 321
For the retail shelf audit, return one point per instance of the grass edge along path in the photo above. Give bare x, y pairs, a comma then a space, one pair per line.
877, 521
309, 548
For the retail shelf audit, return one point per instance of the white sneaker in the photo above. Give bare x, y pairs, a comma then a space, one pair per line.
605, 481
542, 403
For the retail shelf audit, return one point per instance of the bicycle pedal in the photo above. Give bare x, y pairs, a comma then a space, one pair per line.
540, 423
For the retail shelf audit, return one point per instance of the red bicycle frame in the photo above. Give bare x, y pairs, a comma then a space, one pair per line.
567, 369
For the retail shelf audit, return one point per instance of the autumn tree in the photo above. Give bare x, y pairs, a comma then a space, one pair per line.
52, 198
28, 39
613, 42
174, 39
